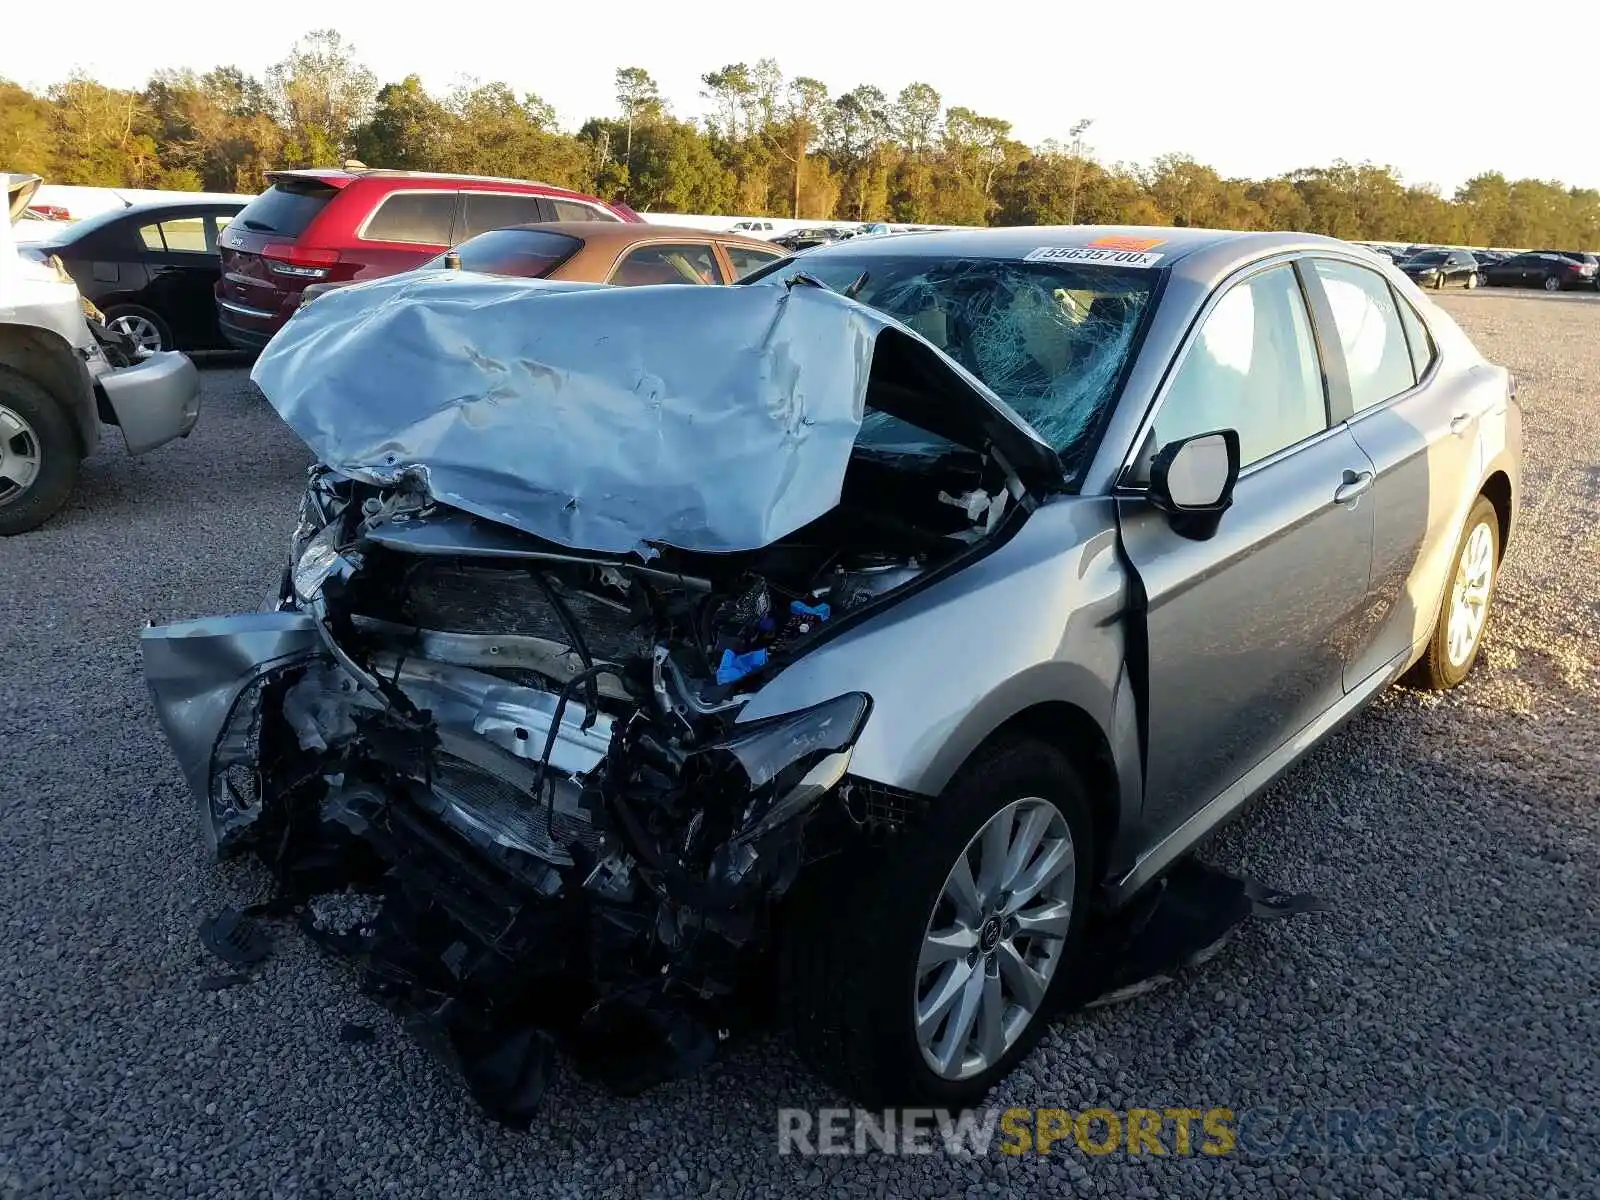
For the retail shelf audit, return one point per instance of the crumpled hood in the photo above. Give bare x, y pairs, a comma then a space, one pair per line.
610, 419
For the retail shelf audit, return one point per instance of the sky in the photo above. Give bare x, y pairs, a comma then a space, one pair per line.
1249, 87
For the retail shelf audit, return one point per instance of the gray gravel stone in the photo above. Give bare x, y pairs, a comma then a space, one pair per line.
1456, 837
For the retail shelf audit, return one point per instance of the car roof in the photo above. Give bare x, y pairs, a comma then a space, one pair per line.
623, 232
1203, 255
344, 175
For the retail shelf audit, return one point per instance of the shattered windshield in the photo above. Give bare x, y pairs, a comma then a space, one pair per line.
1050, 339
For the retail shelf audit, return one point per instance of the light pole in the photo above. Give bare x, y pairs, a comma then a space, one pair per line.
1077, 132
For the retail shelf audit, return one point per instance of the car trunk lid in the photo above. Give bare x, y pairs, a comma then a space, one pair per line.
263, 251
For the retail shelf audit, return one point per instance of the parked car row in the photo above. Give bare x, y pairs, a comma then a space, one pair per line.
1447, 266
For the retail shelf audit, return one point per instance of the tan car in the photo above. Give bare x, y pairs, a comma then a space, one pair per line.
604, 252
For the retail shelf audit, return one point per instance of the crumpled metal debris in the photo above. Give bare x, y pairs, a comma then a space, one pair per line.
611, 419
1180, 922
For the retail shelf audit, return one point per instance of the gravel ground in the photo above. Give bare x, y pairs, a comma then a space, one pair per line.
1456, 838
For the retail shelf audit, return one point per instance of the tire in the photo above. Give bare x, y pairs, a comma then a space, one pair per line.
850, 957
1438, 282
1552, 283
1472, 280
38, 455
145, 326
1442, 667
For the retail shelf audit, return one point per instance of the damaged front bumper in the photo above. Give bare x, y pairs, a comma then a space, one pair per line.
548, 873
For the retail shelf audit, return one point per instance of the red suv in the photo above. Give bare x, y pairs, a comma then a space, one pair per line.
354, 223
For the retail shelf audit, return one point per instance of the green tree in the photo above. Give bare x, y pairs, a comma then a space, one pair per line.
320, 94
409, 129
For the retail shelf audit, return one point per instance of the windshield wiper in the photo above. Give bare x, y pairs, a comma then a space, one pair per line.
261, 225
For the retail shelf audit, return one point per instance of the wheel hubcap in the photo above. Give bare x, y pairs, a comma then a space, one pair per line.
142, 330
1469, 594
994, 939
20, 455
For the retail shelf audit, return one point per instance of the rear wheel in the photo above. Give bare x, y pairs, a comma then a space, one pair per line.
149, 332
1458, 630
920, 973
38, 455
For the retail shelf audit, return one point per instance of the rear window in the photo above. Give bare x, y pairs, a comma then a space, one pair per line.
529, 253
286, 207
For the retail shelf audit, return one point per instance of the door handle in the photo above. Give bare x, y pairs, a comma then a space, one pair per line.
1459, 423
1355, 484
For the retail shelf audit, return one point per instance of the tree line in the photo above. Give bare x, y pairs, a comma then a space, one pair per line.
766, 144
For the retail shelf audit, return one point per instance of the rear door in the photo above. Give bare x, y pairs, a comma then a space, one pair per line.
1420, 431
184, 266
1247, 633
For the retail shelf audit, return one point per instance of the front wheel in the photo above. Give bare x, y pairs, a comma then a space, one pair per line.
921, 972
1472, 281
38, 455
1552, 283
1458, 630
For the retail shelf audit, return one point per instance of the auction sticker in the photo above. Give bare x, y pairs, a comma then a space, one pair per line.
1091, 254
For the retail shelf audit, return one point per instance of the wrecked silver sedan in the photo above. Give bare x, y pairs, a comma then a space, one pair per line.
861, 629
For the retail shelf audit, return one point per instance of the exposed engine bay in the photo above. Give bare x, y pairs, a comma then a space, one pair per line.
533, 758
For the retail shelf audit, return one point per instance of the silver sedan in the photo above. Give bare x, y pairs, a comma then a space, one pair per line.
895, 612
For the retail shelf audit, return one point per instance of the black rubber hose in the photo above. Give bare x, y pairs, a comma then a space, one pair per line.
570, 624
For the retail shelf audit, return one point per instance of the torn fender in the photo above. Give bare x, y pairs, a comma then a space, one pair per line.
199, 673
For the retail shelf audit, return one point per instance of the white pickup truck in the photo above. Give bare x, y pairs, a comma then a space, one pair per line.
57, 386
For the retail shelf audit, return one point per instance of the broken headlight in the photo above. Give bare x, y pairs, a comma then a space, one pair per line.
319, 559
786, 765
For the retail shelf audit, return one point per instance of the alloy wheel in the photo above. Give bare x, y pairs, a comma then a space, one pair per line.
1552, 284
142, 330
1469, 595
20, 455
994, 939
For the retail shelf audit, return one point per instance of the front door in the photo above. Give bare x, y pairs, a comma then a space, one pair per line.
1247, 633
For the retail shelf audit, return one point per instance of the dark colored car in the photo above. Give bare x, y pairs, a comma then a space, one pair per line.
1442, 268
151, 268
352, 223
1553, 270
804, 239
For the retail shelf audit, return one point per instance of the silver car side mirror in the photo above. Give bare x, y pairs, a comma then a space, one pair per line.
1192, 481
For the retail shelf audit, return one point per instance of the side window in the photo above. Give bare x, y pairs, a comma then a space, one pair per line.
745, 260
1418, 338
1253, 368
1370, 334
483, 211
423, 218
182, 234
572, 210
185, 234
666, 264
